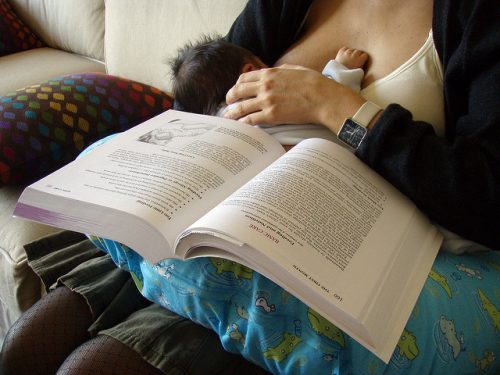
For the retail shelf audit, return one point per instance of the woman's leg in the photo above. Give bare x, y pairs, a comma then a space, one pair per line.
42, 338
51, 337
53, 332
105, 355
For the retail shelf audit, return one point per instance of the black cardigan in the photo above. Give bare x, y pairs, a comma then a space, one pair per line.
455, 180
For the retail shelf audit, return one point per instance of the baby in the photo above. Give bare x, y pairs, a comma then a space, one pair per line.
203, 72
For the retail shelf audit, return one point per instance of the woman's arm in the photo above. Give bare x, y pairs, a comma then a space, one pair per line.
456, 180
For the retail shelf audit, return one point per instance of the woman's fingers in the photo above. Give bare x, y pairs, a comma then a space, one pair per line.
293, 66
242, 109
241, 91
254, 92
272, 95
251, 76
246, 87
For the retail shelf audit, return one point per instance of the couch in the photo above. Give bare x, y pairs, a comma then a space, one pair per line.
125, 38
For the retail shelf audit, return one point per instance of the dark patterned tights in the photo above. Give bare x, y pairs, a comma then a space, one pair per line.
52, 338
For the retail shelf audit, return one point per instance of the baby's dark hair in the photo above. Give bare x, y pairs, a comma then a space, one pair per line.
204, 71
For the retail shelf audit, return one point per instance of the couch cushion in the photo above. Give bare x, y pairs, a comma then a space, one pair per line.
15, 36
44, 126
71, 25
142, 36
37, 65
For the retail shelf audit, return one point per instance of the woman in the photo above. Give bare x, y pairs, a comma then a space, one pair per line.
454, 178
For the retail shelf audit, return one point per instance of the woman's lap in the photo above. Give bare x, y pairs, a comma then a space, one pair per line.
70, 259
166, 340
454, 326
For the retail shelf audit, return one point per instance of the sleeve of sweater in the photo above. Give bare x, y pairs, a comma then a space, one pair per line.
269, 27
455, 180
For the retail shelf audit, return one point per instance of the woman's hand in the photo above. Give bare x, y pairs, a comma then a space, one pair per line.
291, 94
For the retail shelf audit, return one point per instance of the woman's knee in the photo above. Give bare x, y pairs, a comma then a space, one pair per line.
46, 334
105, 355
58, 310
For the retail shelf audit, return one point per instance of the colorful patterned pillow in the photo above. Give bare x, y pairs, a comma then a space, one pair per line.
15, 36
44, 126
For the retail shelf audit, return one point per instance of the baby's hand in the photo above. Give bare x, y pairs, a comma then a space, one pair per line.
351, 58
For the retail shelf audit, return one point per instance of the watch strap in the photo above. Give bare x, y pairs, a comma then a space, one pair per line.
366, 113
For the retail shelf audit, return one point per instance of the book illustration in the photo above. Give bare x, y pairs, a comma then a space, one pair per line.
449, 343
164, 134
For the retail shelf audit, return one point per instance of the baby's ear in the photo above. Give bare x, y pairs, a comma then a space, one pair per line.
248, 67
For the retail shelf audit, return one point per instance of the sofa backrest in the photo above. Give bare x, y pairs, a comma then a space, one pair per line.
142, 36
71, 25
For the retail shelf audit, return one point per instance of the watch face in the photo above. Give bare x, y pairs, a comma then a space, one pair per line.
352, 133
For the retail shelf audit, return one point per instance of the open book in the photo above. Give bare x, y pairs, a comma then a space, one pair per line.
315, 220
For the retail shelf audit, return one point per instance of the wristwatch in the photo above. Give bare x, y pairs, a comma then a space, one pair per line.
353, 130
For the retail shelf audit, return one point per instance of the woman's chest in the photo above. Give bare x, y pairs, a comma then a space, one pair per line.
390, 37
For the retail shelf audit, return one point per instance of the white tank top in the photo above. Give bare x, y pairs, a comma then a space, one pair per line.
417, 85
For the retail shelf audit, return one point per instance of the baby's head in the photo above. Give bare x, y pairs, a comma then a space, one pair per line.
204, 71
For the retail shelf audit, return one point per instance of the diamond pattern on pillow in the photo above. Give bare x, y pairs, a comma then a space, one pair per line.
44, 126
15, 36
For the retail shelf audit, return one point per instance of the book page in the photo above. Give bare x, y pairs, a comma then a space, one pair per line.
169, 171
325, 217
